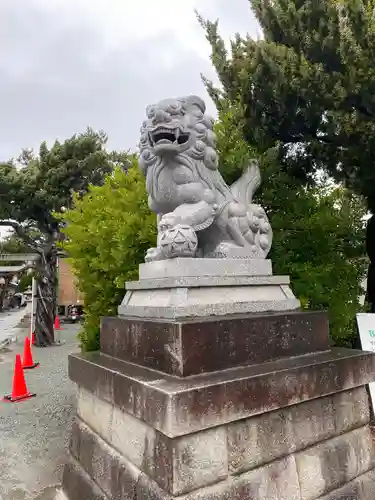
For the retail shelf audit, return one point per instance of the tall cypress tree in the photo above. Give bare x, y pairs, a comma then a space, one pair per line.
308, 86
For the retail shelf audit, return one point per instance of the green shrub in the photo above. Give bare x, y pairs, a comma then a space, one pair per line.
108, 233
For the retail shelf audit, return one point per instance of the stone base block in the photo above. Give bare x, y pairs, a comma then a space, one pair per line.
176, 406
319, 449
193, 268
199, 288
362, 488
185, 348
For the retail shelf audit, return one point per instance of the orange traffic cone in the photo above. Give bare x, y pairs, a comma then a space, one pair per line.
19, 390
57, 324
28, 362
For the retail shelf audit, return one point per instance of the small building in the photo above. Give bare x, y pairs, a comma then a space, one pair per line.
68, 291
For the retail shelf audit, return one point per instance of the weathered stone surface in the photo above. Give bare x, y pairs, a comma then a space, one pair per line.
178, 465
206, 281
264, 438
180, 303
134, 439
77, 484
223, 293
362, 488
331, 464
367, 486
149, 490
60, 495
99, 412
192, 268
129, 436
193, 347
195, 467
199, 460
278, 480
114, 475
183, 406
351, 408
118, 479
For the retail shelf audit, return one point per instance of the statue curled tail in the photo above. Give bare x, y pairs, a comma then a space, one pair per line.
244, 226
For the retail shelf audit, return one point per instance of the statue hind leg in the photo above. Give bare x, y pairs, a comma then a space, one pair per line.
238, 233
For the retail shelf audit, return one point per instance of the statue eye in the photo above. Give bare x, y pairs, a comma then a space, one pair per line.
150, 111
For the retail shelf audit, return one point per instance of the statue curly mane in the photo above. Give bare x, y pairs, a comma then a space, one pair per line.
201, 157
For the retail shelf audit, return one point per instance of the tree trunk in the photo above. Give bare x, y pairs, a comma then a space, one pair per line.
46, 299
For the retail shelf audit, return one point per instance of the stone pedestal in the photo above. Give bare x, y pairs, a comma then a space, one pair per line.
219, 407
200, 288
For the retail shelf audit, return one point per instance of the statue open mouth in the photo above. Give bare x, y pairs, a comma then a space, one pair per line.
167, 136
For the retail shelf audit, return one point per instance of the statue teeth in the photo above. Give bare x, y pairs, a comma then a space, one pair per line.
163, 130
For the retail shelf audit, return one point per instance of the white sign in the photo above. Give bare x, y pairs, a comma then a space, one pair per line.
366, 329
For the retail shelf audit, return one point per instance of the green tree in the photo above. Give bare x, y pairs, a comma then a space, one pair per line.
318, 229
307, 87
107, 235
13, 244
25, 282
34, 189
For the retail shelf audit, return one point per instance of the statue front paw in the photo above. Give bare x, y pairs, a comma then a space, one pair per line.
154, 254
168, 221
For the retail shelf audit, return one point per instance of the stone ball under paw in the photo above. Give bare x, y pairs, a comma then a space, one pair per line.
179, 241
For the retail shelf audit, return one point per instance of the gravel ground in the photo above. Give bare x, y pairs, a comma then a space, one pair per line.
34, 433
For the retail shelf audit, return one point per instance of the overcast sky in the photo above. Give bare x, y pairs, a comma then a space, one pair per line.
67, 64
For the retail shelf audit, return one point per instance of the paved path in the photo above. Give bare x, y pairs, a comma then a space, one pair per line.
9, 320
34, 433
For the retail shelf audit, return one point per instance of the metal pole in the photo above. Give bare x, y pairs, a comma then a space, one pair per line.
56, 332
33, 309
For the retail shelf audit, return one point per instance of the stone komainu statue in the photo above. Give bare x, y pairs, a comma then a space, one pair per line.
198, 214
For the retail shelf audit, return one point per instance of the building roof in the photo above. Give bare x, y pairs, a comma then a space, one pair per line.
18, 257
12, 269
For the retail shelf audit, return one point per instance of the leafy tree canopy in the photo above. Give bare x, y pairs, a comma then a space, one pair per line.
34, 188
13, 244
307, 87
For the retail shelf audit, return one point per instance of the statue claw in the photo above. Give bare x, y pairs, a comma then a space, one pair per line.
154, 254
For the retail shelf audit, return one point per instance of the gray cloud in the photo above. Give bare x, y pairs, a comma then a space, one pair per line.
57, 77
233, 17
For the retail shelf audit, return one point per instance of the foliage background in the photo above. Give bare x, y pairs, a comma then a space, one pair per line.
108, 233
319, 237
